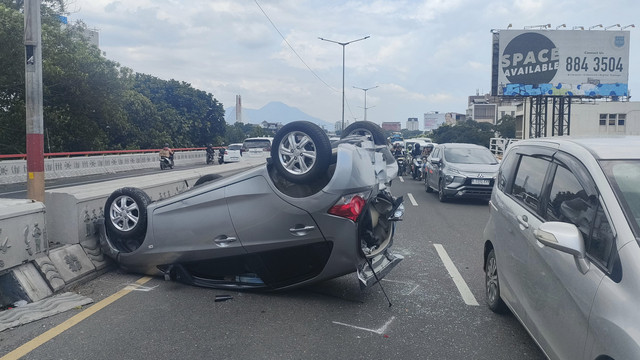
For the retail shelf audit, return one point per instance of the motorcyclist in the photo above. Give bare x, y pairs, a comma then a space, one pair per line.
397, 150
167, 152
426, 151
415, 154
210, 153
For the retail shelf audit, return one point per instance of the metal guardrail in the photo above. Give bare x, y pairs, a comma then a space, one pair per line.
71, 164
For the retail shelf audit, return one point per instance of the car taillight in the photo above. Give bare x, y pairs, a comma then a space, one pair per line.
226, 152
267, 149
349, 206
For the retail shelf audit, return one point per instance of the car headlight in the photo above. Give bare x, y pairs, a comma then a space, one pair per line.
454, 180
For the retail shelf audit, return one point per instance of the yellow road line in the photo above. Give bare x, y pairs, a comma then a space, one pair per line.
50, 334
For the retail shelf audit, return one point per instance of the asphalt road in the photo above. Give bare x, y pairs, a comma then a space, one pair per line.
432, 317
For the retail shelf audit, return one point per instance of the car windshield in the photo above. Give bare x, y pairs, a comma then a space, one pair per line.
257, 144
469, 156
624, 177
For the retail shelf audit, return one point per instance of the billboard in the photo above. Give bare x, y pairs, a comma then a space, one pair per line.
560, 62
433, 120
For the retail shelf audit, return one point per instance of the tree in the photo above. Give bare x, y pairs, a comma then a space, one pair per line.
506, 127
470, 131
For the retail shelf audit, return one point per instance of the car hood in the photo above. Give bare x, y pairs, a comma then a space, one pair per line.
475, 168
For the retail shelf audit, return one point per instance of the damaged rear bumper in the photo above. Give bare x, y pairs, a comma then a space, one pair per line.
381, 264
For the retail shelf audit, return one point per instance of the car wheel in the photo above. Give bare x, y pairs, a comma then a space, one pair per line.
441, 195
301, 151
206, 178
427, 188
368, 129
126, 213
494, 301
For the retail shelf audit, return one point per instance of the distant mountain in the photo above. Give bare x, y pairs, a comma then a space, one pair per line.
274, 112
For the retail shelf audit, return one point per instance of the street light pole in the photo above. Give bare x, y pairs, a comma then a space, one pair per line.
344, 44
365, 99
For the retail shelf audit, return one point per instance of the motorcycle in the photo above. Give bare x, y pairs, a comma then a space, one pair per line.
402, 164
166, 162
416, 168
210, 158
221, 152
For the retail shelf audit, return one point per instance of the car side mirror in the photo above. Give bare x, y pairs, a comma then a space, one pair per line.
564, 237
435, 161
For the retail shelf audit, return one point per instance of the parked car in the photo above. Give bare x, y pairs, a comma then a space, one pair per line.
315, 211
233, 153
457, 170
562, 247
257, 147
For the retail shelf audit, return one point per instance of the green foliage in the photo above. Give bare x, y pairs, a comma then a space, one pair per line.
91, 102
506, 127
469, 131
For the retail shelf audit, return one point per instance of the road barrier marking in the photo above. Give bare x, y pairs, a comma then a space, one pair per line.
74, 320
464, 290
413, 201
378, 331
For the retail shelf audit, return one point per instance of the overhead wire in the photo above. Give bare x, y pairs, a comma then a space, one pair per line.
291, 47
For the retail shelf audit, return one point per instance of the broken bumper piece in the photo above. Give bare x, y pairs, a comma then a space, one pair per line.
382, 264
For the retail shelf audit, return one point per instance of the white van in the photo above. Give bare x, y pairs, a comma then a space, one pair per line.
257, 147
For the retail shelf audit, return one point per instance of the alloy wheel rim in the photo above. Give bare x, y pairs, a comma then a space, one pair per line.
297, 153
124, 213
492, 280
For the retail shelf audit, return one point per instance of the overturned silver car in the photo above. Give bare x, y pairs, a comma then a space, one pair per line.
314, 211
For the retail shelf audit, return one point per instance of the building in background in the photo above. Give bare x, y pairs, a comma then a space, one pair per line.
490, 109
413, 124
239, 109
391, 126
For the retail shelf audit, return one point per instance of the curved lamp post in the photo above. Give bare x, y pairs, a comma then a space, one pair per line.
344, 44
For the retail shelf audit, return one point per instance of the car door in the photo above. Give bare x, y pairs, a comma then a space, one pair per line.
195, 228
518, 215
284, 237
433, 168
560, 295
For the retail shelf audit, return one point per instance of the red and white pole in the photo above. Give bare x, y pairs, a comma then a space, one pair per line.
33, 97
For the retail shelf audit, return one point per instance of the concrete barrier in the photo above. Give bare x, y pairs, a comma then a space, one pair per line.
44, 250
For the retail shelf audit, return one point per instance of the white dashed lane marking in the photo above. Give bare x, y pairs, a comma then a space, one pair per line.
464, 290
413, 201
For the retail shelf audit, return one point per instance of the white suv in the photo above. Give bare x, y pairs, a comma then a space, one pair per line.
562, 245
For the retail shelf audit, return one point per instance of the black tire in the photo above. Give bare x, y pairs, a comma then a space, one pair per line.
125, 213
366, 128
301, 152
441, 195
492, 285
206, 178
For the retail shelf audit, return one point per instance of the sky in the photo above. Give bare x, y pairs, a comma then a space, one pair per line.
423, 56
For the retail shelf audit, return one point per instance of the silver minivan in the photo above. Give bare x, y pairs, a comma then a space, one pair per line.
562, 244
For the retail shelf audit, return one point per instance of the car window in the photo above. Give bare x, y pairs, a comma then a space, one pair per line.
235, 147
528, 181
257, 144
600, 244
506, 169
469, 156
624, 176
570, 202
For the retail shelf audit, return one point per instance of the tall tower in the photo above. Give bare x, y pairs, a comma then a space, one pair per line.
239, 109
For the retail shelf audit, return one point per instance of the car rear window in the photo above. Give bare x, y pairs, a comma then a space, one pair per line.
235, 147
469, 156
257, 144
